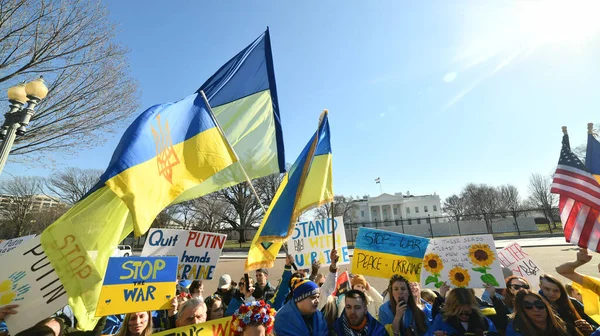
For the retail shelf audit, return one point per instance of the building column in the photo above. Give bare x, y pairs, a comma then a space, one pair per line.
381, 213
392, 207
369, 211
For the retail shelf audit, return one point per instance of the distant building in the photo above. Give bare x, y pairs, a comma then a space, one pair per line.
387, 207
40, 202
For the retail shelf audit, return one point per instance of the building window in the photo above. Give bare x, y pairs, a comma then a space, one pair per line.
362, 214
410, 222
407, 210
416, 209
435, 208
425, 209
428, 221
395, 211
418, 221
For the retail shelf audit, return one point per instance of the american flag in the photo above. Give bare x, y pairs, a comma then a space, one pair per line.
579, 203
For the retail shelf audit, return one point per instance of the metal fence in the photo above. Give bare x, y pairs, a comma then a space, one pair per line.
503, 225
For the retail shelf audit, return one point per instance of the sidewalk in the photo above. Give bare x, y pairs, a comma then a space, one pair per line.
524, 242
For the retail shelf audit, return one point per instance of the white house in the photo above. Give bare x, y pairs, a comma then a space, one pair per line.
387, 207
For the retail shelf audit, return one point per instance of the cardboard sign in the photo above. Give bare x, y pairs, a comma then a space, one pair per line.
10, 244
313, 240
219, 327
382, 254
469, 262
133, 284
198, 252
29, 280
519, 262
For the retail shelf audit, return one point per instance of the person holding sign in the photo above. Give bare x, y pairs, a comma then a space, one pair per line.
400, 314
300, 316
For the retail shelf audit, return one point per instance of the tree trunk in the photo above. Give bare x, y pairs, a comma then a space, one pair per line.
242, 233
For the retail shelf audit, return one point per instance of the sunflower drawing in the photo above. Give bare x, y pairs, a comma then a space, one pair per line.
434, 265
459, 277
481, 255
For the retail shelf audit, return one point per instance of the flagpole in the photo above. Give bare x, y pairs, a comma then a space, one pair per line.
284, 245
333, 224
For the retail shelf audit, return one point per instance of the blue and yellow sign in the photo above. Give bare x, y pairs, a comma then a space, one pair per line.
134, 284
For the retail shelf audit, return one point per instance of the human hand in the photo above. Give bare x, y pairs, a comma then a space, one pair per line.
583, 257
401, 307
444, 290
174, 305
289, 260
440, 333
585, 327
7, 310
316, 265
333, 255
491, 290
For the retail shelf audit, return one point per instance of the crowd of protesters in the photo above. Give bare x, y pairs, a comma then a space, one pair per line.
316, 305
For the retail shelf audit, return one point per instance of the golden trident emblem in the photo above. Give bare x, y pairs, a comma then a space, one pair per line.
166, 158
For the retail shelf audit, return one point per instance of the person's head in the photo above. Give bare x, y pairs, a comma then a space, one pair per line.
262, 275
136, 324
225, 282
242, 285
330, 311
532, 311
197, 289
428, 295
461, 303
320, 279
552, 288
399, 290
254, 318
46, 327
193, 311
359, 282
355, 307
513, 285
306, 295
415, 289
573, 292
215, 307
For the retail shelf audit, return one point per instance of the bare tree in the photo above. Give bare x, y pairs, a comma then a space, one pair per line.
208, 212
70, 43
266, 187
72, 183
18, 212
540, 195
509, 200
343, 206
243, 210
481, 200
455, 206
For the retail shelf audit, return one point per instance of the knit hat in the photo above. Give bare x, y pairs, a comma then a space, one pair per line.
358, 280
304, 288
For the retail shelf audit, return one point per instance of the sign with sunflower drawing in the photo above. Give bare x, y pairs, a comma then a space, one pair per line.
469, 262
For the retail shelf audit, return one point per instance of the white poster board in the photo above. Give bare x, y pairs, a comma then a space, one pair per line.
520, 263
10, 244
29, 281
313, 240
468, 262
197, 252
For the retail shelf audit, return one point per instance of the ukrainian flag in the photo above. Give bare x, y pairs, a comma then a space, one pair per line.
307, 184
168, 149
592, 155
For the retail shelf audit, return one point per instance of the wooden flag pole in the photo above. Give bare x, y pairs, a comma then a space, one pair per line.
333, 224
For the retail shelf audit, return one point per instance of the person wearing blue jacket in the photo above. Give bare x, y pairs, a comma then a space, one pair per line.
461, 316
355, 319
300, 315
401, 314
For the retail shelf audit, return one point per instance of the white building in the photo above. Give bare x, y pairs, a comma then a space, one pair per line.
386, 207
39, 203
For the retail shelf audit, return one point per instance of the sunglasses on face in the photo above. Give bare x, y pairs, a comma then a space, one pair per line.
539, 305
465, 313
519, 287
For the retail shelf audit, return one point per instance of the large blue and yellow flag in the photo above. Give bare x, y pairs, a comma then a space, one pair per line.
307, 184
138, 182
592, 154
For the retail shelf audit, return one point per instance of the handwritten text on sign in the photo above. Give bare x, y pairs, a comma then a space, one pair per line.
519, 262
136, 284
9, 245
29, 280
382, 254
198, 252
313, 240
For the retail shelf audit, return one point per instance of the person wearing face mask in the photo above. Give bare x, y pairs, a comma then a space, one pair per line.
300, 315
533, 316
355, 319
401, 314
253, 319
461, 316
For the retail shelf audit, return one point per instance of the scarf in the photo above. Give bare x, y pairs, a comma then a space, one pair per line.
349, 331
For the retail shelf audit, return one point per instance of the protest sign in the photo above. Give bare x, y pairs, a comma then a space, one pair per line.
382, 254
29, 280
519, 262
197, 252
469, 262
219, 327
10, 244
133, 284
312, 240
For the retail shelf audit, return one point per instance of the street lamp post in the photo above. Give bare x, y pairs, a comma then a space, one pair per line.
17, 118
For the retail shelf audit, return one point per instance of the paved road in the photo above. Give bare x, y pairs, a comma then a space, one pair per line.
547, 258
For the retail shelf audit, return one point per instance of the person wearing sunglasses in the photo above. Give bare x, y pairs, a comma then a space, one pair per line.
461, 316
533, 316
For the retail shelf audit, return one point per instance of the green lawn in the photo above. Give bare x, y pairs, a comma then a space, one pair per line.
236, 244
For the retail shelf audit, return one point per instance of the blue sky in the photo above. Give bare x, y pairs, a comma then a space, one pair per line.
428, 96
